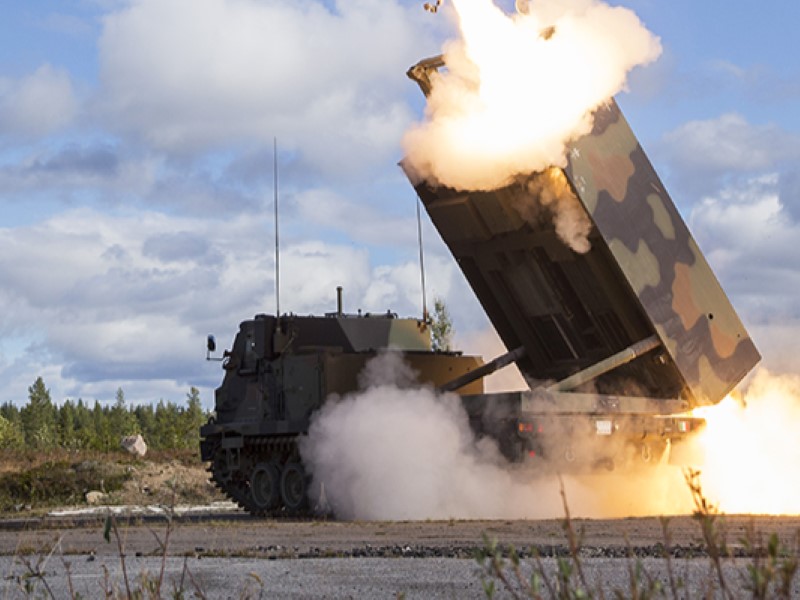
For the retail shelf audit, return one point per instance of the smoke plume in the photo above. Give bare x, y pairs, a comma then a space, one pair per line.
518, 87
396, 452
393, 452
549, 189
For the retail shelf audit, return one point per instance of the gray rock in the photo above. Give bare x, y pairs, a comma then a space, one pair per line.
134, 444
95, 497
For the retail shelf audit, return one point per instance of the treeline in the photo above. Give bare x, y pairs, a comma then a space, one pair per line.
41, 425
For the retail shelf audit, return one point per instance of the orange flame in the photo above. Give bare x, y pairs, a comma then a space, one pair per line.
752, 448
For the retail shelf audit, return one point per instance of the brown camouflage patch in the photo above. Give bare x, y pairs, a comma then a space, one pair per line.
682, 300
679, 293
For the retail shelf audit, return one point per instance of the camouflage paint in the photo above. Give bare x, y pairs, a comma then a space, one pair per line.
660, 260
648, 276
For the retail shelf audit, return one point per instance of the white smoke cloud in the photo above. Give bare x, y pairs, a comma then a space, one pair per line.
518, 88
395, 451
550, 189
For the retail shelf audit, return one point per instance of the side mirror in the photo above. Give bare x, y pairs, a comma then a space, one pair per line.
211, 346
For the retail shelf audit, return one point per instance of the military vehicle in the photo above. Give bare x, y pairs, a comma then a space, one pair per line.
279, 372
617, 342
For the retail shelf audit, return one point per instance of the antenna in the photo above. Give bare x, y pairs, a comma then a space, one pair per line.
277, 245
421, 265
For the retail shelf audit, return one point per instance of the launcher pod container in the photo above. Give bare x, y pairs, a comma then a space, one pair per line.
278, 372
617, 341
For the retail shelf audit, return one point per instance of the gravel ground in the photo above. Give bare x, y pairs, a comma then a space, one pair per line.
234, 555
336, 577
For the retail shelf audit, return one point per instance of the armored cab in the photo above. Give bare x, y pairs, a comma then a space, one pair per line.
616, 333
278, 372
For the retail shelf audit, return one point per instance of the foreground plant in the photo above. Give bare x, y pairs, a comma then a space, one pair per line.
769, 573
568, 582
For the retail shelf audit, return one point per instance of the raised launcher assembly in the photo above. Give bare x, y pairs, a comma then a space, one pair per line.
278, 372
632, 332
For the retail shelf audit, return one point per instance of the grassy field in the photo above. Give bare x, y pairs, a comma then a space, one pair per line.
34, 482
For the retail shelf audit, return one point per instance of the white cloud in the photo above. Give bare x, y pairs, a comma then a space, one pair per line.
127, 297
101, 301
311, 271
748, 236
715, 147
189, 74
361, 222
398, 288
37, 104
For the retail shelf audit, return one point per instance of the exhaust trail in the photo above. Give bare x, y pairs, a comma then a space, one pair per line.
518, 87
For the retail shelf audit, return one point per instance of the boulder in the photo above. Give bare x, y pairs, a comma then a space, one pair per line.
95, 497
134, 444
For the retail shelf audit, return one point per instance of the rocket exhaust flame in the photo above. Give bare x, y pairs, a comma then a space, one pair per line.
519, 87
750, 448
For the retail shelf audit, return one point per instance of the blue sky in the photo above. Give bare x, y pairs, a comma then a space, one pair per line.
136, 174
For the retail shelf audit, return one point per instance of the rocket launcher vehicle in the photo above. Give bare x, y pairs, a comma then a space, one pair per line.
619, 338
629, 333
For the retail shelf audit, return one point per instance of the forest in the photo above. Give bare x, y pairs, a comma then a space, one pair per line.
77, 425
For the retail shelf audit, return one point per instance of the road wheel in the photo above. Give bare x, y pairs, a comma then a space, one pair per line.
220, 469
294, 487
265, 486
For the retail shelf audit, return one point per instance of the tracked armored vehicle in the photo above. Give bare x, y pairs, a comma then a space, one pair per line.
279, 372
618, 341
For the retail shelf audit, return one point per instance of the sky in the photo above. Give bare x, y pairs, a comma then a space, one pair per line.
136, 175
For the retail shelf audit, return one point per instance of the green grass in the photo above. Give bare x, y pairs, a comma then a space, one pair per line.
58, 483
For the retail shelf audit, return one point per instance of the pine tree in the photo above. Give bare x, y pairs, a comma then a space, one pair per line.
102, 438
67, 435
146, 421
441, 327
192, 419
39, 417
84, 426
10, 435
122, 421
167, 417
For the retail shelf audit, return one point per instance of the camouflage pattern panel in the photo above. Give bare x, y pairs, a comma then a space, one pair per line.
659, 259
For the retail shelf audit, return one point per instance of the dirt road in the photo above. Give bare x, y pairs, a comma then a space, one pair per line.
240, 535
